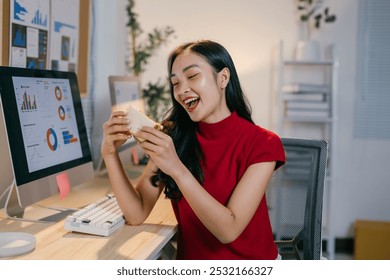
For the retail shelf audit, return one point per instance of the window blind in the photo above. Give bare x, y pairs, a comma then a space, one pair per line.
372, 111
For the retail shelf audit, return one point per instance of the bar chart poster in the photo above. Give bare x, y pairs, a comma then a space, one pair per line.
64, 32
30, 22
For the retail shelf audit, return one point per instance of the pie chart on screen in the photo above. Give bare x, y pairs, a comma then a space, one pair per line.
61, 113
51, 138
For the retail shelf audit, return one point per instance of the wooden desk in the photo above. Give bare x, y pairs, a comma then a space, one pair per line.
129, 242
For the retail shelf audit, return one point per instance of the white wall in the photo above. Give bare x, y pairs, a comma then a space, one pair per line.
251, 31
107, 58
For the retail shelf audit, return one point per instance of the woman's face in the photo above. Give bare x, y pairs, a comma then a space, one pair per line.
199, 89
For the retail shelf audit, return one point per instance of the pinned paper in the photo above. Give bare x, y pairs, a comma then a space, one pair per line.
63, 184
134, 153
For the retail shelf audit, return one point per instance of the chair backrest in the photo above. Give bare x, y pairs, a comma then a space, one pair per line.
295, 199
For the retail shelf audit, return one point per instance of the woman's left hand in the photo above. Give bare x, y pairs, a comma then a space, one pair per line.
161, 150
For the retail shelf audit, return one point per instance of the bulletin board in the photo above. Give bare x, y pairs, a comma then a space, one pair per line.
80, 61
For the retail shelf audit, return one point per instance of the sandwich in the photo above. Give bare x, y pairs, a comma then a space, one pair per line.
138, 120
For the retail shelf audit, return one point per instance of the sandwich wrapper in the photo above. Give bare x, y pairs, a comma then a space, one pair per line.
138, 120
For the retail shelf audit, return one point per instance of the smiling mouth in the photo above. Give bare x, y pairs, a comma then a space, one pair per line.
191, 102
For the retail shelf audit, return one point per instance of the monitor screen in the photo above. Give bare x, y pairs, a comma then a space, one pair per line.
46, 130
50, 128
125, 91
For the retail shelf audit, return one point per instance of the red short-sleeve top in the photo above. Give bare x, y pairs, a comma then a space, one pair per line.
229, 147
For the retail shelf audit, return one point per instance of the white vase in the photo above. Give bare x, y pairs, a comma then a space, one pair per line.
307, 50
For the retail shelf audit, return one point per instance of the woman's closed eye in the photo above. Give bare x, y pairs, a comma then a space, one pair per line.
192, 76
174, 83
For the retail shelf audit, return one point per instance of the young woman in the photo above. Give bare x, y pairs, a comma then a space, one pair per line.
211, 160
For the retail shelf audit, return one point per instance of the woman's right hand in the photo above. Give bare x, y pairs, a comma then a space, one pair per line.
115, 132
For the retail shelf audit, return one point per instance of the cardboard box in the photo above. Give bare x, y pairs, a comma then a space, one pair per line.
372, 240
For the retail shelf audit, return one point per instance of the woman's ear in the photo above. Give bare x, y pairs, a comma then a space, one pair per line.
223, 78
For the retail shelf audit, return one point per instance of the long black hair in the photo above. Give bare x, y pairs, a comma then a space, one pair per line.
178, 124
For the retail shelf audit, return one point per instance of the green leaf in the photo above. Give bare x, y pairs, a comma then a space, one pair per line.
326, 11
330, 19
317, 19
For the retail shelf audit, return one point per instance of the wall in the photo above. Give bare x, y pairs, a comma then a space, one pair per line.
108, 44
246, 28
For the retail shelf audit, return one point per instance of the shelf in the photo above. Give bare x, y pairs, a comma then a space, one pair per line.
306, 98
304, 63
308, 119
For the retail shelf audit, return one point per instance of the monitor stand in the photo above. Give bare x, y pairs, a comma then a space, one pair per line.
38, 213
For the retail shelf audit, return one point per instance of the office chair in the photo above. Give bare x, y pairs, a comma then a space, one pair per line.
295, 198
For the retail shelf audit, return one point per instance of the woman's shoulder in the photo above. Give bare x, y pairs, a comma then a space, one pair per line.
253, 130
261, 144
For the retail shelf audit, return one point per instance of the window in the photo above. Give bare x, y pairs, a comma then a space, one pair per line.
372, 111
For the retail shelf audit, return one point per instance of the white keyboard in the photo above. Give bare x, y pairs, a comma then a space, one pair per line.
102, 217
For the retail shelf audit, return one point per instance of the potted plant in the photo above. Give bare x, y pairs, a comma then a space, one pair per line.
312, 13
155, 94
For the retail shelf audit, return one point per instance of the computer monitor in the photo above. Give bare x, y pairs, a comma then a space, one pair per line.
46, 133
125, 91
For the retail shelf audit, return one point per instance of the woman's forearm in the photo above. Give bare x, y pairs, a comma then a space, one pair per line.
227, 222
129, 198
216, 217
